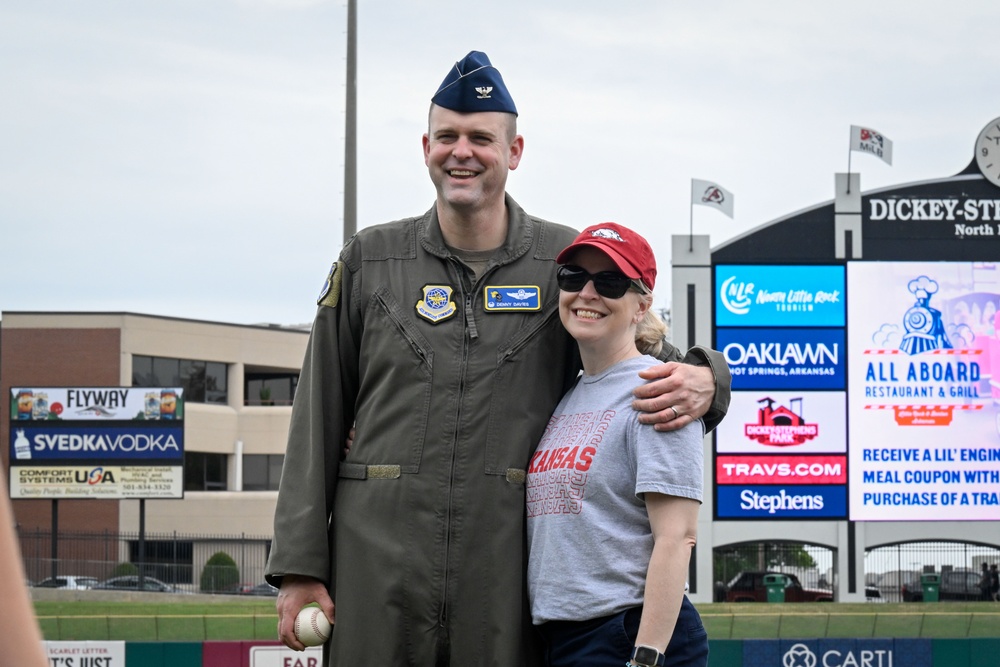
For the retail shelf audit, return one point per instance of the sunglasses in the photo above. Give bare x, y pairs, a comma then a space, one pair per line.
609, 284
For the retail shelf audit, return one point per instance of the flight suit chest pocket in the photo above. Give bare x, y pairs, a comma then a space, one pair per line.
395, 374
527, 385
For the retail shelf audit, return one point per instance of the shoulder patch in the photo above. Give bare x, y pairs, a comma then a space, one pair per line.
330, 295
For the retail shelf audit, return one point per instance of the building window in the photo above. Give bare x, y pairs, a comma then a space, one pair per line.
270, 388
205, 472
262, 472
170, 561
202, 381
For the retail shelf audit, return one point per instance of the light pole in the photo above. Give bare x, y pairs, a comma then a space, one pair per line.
351, 125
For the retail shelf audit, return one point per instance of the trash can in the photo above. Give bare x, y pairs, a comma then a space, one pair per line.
930, 582
775, 585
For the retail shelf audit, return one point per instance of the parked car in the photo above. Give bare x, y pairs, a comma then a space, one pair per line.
131, 583
749, 587
955, 585
69, 581
263, 588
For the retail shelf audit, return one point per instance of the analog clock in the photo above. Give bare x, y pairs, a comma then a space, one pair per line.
988, 152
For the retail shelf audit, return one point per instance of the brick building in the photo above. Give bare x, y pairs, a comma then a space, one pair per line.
238, 380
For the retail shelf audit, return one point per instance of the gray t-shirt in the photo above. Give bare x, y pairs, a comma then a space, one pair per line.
589, 537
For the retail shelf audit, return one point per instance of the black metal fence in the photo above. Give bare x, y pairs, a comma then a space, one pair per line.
235, 563
215, 563
813, 566
892, 572
896, 569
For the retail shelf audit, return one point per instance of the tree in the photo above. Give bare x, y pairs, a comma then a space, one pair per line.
220, 574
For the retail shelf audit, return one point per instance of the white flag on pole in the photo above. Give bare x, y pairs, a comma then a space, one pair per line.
867, 140
707, 193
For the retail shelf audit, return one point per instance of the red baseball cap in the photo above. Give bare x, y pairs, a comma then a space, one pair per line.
628, 250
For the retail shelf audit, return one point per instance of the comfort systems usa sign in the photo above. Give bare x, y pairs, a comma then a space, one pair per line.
771, 295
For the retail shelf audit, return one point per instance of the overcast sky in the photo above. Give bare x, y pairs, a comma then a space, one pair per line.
185, 157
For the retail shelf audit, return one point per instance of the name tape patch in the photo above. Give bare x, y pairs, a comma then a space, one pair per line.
511, 298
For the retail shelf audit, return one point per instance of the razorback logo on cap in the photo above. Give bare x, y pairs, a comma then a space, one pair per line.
607, 234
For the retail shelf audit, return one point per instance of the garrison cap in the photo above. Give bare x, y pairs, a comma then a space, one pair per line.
472, 85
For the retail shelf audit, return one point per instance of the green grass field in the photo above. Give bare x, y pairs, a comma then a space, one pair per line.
257, 619
790, 621
163, 621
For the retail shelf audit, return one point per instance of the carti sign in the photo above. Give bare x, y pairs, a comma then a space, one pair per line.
838, 653
99, 442
773, 295
923, 399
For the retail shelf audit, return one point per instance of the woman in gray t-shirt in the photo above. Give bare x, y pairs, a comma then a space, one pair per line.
613, 505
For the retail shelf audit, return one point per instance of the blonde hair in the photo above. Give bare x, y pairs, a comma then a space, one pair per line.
650, 330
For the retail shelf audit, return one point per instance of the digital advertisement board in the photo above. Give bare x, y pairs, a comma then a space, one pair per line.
753, 295
780, 453
100, 442
777, 422
765, 358
924, 436
791, 501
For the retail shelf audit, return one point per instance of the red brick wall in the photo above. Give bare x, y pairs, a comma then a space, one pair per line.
58, 358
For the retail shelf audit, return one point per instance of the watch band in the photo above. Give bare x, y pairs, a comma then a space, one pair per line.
647, 656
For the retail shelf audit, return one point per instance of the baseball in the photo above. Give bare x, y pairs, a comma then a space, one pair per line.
311, 626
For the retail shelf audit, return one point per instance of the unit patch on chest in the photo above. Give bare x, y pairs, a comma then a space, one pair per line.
507, 298
436, 305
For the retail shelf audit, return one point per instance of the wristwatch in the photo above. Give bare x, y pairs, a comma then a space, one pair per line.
647, 656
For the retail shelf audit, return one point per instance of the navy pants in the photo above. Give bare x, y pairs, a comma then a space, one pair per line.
608, 641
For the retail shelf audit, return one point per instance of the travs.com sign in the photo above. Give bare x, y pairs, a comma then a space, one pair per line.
96, 442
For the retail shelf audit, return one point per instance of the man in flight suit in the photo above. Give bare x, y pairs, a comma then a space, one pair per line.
439, 337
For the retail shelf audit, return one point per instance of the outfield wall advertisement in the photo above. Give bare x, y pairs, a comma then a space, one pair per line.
101, 442
869, 391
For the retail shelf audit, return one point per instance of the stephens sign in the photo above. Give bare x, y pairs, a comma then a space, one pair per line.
102, 442
781, 502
